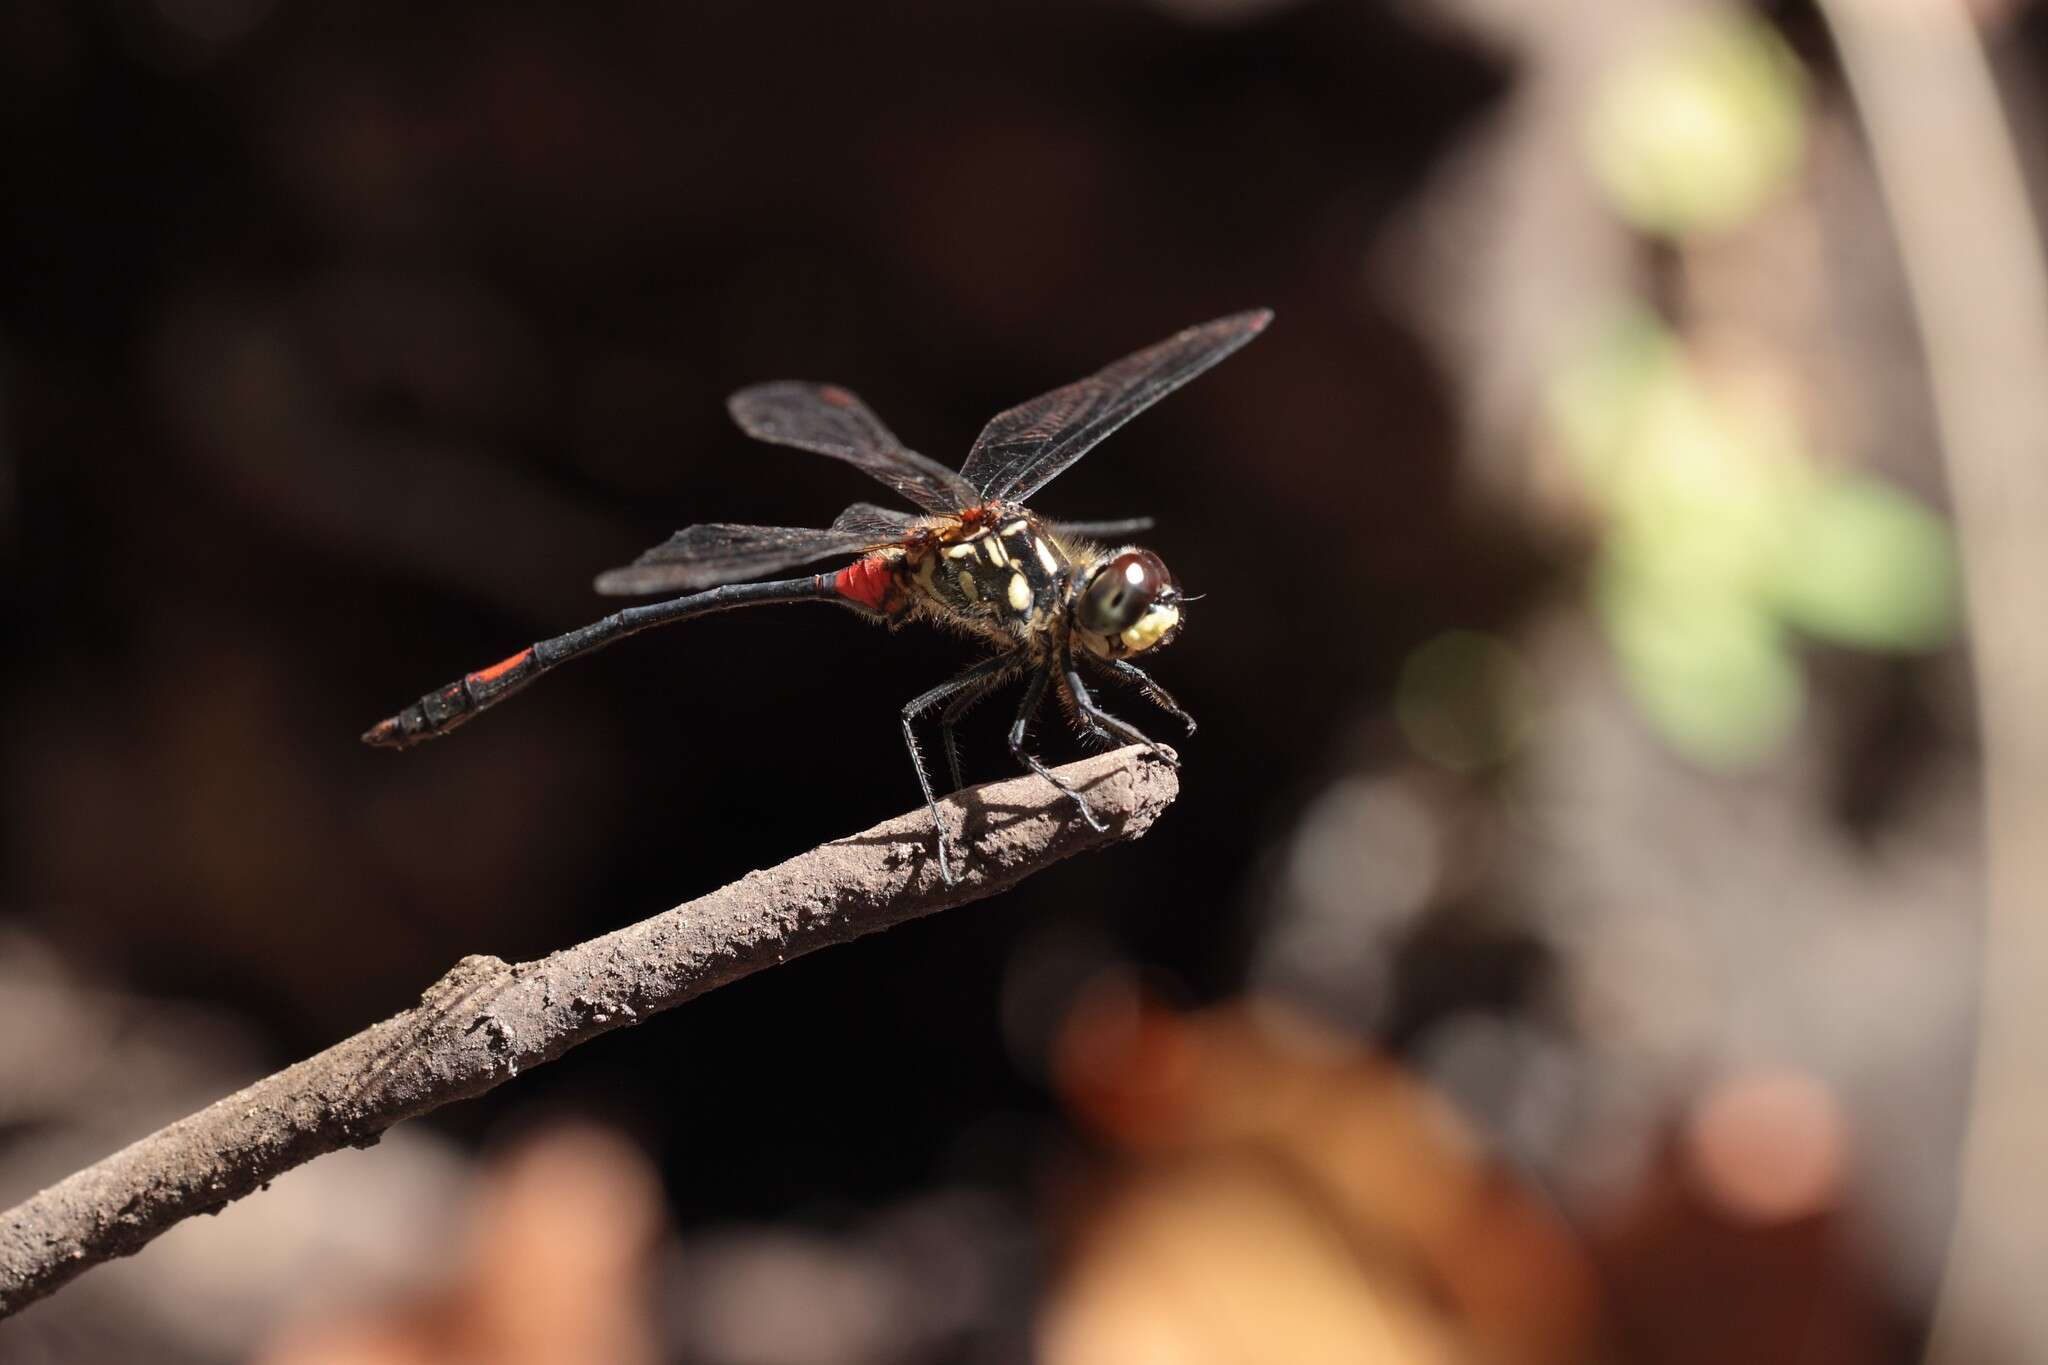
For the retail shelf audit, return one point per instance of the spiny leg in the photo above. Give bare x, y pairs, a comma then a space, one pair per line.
1034, 696
1161, 698
1099, 719
1085, 723
973, 677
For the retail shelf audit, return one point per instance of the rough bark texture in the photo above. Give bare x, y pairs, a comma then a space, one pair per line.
487, 1020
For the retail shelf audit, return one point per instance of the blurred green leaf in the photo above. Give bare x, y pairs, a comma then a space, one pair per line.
1595, 399
1710, 670
1698, 131
1722, 534
1693, 485
1868, 566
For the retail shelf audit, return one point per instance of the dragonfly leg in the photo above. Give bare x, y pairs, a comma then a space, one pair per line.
1034, 695
975, 677
1095, 716
1163, 699
951, 717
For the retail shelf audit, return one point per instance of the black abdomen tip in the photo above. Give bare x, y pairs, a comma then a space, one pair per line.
383, 735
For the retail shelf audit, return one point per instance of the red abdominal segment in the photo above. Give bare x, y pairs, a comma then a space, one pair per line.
868, 582
501, 668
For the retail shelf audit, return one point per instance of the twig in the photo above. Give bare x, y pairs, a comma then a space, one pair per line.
1972, 256
486, 1021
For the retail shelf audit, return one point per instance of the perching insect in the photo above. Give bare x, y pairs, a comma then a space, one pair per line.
1047, 597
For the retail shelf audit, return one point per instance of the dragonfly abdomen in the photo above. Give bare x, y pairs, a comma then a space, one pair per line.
444, 708
873, 582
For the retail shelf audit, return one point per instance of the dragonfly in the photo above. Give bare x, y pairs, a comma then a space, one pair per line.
1053, 599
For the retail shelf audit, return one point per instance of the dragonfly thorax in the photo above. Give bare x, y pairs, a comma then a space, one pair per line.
998, 572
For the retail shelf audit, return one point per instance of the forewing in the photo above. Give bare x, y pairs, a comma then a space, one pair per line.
829, 420
1026, 448
706, 556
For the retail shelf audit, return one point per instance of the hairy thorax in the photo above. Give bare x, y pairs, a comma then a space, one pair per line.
997, 572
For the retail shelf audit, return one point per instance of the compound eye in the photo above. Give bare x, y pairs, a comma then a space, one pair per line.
1123, 591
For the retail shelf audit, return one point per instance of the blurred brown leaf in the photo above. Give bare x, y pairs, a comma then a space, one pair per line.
1291, 1196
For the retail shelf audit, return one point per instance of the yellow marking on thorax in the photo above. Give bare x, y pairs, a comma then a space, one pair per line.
969, 589
960, 551
1020, 593
1045, 557
996, 554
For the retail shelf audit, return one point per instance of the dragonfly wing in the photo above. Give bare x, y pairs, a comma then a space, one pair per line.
706, 556
1026, 448
829, 420
880, 524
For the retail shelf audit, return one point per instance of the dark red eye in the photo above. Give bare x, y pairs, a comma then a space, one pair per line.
1122, 591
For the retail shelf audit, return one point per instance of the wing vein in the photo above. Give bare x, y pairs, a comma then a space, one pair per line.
828, 420
1025, 448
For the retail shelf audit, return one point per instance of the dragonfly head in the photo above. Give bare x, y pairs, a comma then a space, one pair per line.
1128, 604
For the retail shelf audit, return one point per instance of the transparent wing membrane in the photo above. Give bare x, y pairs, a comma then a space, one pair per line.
882, 524
830, 421
1024, 449
706, 556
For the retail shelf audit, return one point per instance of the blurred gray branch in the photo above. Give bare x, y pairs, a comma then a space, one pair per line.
1972, 254
486, 1020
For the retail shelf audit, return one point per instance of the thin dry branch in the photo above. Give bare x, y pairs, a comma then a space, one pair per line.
486, 1020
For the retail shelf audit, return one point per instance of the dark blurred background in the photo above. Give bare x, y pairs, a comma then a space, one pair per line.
1563, 947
